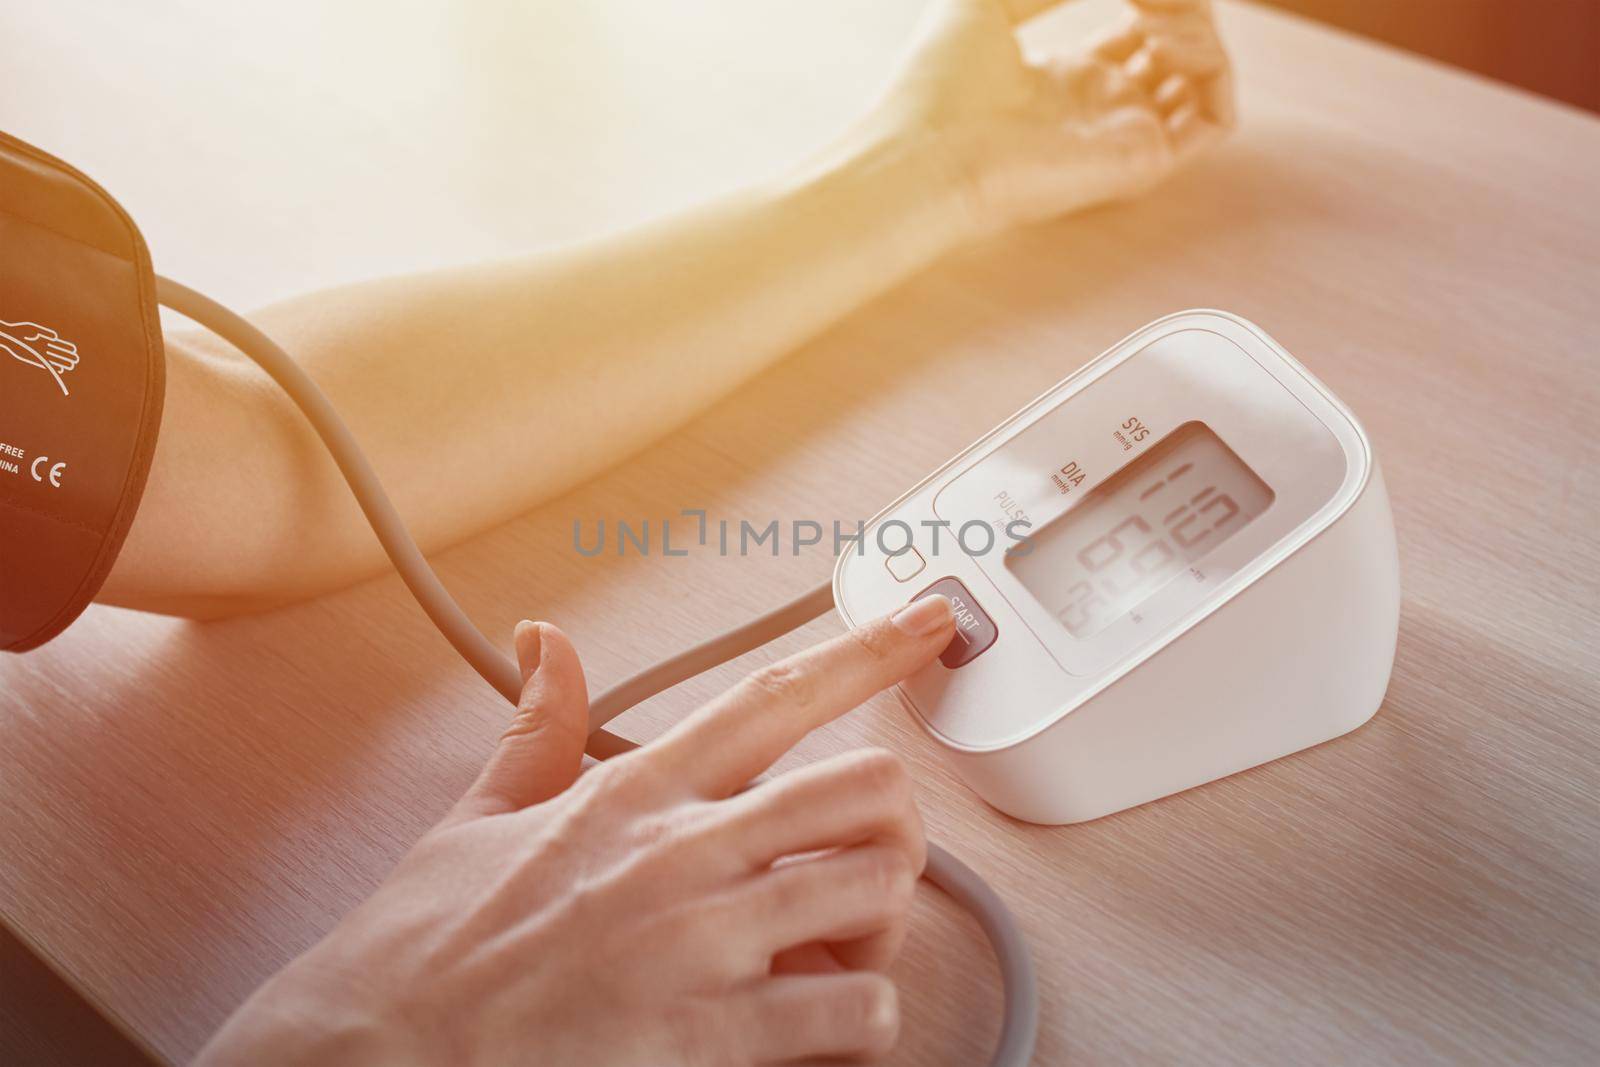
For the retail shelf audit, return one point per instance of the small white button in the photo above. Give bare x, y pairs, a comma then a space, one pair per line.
907, 565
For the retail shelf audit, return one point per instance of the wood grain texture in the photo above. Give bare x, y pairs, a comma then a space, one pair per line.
45, 1023
186, 807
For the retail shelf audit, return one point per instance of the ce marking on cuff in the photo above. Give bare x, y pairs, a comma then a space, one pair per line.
52, 473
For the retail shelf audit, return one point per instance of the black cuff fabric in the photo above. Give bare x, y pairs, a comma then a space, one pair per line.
82, 379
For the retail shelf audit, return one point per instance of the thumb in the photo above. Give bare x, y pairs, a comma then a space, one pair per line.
1129, 153
541, 752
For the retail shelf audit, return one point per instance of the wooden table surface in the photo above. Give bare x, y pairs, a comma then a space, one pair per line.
183, 809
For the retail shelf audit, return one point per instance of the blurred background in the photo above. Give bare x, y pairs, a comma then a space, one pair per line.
1549, 46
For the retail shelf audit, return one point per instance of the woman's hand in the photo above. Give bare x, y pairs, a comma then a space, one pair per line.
1022, 142
651, 912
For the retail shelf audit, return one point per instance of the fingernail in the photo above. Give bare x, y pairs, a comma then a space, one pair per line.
923, 617
526, 638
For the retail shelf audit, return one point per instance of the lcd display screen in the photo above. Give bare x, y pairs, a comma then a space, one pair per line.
1139, 529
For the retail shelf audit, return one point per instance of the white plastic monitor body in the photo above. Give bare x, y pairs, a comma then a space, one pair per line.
1275, 634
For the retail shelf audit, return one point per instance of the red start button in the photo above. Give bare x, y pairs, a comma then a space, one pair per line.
975, 631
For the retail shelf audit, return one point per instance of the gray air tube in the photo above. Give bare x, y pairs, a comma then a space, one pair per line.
1019, 1026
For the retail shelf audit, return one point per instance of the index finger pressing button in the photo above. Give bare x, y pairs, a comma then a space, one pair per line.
975, 631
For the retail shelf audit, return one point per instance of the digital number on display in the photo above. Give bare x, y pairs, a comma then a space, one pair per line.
1139, 529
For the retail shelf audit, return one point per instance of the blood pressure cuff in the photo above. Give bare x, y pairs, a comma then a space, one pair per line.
82, 377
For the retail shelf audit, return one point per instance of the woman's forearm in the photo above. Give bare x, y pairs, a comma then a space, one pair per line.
478, 392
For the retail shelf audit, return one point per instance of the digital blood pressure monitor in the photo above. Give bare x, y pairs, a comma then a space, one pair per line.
1174, 565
